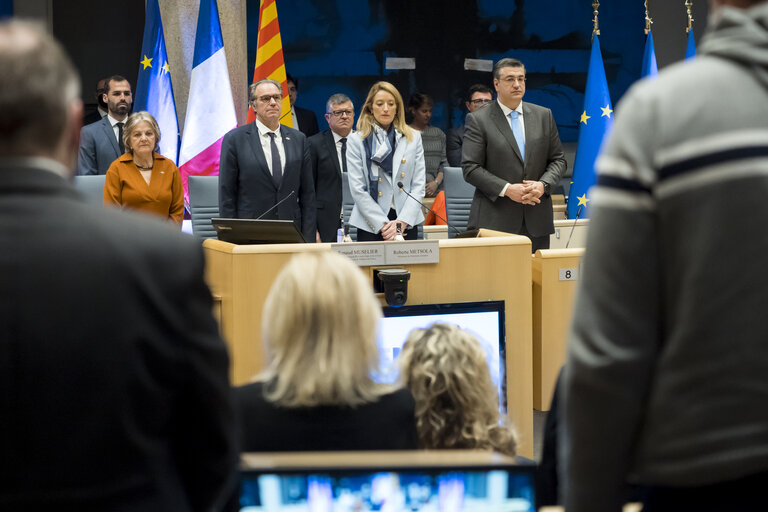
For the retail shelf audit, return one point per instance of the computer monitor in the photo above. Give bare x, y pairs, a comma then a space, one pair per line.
484, 320
405, 481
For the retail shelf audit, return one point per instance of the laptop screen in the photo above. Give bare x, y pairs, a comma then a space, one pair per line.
487, 489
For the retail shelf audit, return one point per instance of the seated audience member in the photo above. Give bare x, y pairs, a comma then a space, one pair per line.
478, 96
457, 406
383, 152
433, 142
319, 328
143, 179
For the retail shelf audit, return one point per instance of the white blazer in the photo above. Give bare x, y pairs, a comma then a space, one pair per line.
407, 166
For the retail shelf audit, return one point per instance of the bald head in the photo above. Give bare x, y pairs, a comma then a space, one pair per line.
39, 95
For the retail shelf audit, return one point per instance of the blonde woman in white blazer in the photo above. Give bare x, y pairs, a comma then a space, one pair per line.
381, 153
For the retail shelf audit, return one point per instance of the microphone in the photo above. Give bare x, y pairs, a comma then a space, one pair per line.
400, 185
293, 193
578, 213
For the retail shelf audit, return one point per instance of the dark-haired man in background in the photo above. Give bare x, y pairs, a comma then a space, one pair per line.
101, 105
101, 143
304, 120
114, 392
478, 96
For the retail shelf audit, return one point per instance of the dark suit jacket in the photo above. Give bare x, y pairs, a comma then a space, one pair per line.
114, 394
307, 121
388, 424
98, 148
246, 189
327, 174
453, 141
491, 158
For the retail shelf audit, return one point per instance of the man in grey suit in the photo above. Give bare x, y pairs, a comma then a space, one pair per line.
513, 156
101, 143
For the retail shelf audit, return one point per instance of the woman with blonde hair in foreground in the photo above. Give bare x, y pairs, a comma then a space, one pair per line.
456, 402
320, 325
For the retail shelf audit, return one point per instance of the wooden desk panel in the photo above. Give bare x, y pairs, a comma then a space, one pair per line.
475, 269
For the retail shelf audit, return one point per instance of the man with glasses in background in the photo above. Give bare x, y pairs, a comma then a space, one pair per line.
478, 96
513, 156
265, 169
328, 150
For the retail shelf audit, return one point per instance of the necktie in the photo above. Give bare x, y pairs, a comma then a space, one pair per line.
517, 131
277, 168
120, 138
344, 154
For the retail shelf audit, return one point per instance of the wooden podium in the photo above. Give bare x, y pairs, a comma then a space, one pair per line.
494, 266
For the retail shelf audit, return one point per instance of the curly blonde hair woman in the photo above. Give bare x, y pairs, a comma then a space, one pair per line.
456, 402
320, 323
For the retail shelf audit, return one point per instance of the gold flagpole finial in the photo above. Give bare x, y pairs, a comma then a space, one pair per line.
648, 20
596, 26
688, 6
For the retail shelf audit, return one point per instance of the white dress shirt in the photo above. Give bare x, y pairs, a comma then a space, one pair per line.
266, 146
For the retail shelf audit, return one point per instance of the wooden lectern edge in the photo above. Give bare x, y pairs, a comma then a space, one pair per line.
366, 459
559, 253
566, 223
486, 237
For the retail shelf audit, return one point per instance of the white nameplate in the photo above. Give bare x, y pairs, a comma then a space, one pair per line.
478, 65
413, 252
569, 274
400, 63
364, 254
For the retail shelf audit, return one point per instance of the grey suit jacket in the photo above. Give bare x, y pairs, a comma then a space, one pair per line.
491, 158
407, 166
98, 148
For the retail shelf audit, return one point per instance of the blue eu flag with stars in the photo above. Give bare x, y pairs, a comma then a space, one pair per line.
596, 121
154, 91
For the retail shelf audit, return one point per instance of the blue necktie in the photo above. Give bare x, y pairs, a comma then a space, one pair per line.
517, 131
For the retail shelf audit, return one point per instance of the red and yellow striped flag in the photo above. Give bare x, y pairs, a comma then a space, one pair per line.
269, 57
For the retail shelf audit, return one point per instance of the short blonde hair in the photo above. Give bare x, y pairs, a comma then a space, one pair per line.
130, 125
366, 121
445, 369
320, 326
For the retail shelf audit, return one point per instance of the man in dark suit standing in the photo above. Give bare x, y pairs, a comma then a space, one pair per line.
329, 159
101, 105
114, 393
101, 143
513, 156
264, 163
304, 120
479, 95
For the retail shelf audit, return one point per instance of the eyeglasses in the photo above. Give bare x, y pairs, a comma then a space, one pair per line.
342, 113
513, 79
266, 99
481, 101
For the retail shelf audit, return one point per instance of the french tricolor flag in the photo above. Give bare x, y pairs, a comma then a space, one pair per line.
210, 108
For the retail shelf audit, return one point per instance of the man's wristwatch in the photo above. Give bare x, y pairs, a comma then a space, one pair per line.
546, 187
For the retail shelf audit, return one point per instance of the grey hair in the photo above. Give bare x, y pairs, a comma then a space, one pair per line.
37, 76
336, 99
130, 126
254, 85
507, 62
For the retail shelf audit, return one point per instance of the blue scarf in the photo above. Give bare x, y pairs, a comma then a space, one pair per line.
379, 151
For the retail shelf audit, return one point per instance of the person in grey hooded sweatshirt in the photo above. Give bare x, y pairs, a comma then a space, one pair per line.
666, 381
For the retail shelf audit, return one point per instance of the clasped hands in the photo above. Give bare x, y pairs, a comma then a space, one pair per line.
389, 230
528, 192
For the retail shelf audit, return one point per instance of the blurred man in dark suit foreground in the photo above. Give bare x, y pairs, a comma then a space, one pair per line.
113, 380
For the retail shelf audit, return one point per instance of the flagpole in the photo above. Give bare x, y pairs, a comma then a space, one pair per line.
648, 20
595, 24
688, 6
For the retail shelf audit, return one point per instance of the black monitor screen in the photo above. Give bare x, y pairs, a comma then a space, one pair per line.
484, 320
